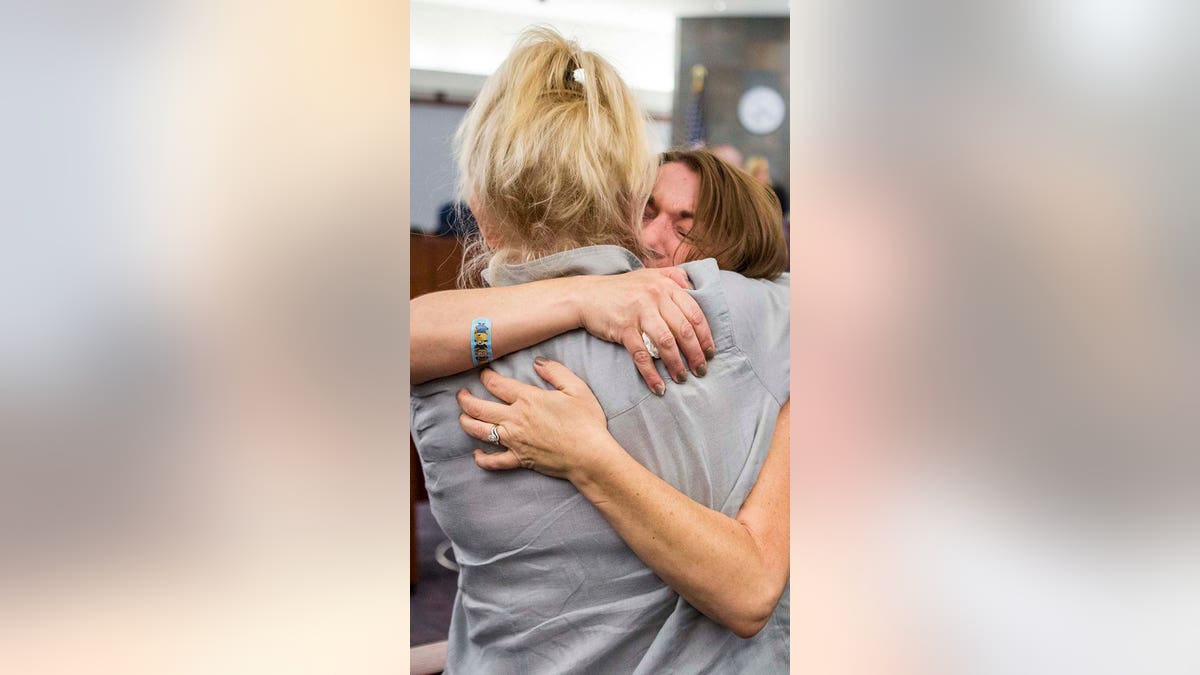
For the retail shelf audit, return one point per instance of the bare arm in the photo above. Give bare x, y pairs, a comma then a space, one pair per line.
521, 316
733, 570
617, 308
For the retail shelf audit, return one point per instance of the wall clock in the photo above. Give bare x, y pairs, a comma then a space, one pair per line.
761, 110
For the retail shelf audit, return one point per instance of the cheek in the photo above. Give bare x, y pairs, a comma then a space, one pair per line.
654, 234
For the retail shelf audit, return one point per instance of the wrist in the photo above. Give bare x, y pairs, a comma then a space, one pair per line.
574, 295
601, 456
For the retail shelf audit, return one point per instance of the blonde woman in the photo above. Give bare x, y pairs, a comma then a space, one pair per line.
655, 536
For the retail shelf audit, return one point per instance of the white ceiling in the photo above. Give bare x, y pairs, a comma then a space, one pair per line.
625, 13
455, 43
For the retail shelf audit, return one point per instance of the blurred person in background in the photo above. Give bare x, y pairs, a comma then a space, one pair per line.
728, 153
760, 168
456, 220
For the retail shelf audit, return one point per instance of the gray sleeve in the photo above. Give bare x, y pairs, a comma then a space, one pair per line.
761, 314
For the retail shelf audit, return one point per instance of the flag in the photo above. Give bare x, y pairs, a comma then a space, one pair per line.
695, 131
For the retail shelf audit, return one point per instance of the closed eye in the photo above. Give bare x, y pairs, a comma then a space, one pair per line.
684, 225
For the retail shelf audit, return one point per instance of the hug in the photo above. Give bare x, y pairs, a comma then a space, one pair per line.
603, 519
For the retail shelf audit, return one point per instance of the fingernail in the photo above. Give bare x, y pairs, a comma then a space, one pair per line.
660, 389
702, 370
540, 360
710, 352
681, 378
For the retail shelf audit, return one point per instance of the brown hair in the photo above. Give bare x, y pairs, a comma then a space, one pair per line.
553, 155
737, 220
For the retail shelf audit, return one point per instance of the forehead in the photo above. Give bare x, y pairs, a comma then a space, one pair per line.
676, 188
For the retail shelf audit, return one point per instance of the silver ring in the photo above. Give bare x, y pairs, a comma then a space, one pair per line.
495, 436
650, 346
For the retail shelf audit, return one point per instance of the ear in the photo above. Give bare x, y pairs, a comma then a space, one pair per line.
489, 235
485, 230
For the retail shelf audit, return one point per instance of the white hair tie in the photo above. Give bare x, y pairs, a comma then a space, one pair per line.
580, 75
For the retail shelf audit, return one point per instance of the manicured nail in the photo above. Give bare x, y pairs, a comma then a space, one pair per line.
710, 352
702, 370
681, 378
660, 389
540, 360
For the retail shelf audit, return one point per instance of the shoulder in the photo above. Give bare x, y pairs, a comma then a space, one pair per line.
779, 286
751, 298
704, 274
741, 303
760, 314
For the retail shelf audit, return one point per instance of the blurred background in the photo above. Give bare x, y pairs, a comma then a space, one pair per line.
201, 354
994, 273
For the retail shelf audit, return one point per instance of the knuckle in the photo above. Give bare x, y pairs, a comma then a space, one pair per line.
642, 357
665, 339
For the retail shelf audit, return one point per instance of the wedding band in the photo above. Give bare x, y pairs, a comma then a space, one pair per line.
495, 436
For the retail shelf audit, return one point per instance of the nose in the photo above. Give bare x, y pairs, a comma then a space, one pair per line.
653, 236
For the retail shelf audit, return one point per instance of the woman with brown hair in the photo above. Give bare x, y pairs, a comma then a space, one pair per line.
704, 207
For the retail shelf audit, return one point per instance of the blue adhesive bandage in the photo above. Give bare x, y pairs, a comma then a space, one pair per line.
481, 341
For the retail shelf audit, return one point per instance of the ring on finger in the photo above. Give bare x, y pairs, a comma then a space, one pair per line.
494, 437
650, 346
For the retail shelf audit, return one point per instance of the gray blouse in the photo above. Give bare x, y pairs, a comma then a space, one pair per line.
545, 584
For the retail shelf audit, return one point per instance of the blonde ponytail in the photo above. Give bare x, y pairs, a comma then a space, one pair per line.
552, 155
